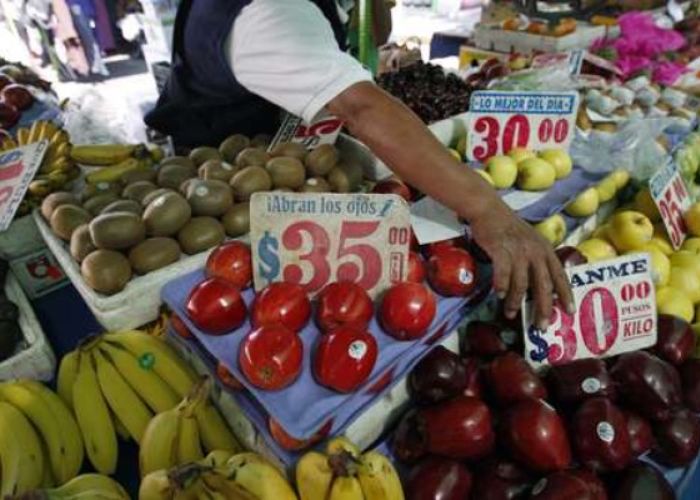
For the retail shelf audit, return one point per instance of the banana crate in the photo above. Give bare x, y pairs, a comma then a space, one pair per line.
36, 360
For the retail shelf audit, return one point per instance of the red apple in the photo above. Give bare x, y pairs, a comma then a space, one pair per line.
452, 272
180, 327
690, 377
281, 304
678, 439
416, 268
17, 95
600, 436
676, 340
535, 435
5, 81
440, 375
579, 380
500, 479
271, 357
344, 304
439, 478
483, 339
641, 481
438, 246
231, 262
410, 442
595, 485
345, 358
562, 485
216, 307
647, 384
407, 311
570, 256
473, 377
9, 115
640, 433
393, 186
227, 378
511, 380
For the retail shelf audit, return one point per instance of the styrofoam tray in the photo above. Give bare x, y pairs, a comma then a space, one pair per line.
516, 41
37, 360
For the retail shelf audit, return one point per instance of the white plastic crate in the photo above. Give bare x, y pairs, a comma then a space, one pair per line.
496, 39
37, 360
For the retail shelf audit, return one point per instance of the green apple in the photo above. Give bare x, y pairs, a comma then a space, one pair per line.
535, 175
503, 170
691, 245
520, 154
485, 175
692, 219
596, 250
560, 160
553, 229
630, 230
584, 205
607, 189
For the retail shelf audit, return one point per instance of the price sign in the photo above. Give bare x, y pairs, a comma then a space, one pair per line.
17, 169
501, 121
615, 313
672, 198
315, 239
324, 130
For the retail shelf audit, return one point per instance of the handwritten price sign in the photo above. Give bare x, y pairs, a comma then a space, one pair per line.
501, 121
671, 197
615, 313
17, 169
324, 130
317, 239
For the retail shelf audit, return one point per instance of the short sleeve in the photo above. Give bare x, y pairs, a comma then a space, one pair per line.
286, 53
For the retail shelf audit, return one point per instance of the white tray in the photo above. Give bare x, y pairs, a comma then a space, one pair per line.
499, 40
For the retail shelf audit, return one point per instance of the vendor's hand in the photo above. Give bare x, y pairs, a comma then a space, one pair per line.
522, 260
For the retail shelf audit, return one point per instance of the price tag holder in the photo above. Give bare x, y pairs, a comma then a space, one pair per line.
615, 313
501, 121
316, 239
17, 169
324, 130
671, 196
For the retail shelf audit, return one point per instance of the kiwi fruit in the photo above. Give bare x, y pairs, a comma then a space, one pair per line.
203, 154
315, 185
166, 214
236, 220
261, 141
153, 254
92, 190
138, 190
252, 157
345, 178
106, 271
200, 234
233, 145
250, 180
321, 160
142, 174
283, 190
117, 231
172, 176
217, 170
55, 200
66, 218
211, 198
154, 194
286, 171
178, 160
186, 185
290, 149
131, 206
81, 244
98, 203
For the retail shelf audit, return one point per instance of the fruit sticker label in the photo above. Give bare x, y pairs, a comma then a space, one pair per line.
315, 239
17, 169
615, 313
672, 199
501, 121
324, 130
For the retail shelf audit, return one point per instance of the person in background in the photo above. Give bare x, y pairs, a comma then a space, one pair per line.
237, 62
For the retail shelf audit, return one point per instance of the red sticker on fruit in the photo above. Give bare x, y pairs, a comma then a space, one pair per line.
615, 313
672, 199
17, 169
313, 239
502, 121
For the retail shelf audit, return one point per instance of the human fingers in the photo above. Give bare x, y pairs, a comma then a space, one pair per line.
518, 287
542, 288
562, 287
502, 268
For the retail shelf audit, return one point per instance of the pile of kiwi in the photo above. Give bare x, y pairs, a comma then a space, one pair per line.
187, 204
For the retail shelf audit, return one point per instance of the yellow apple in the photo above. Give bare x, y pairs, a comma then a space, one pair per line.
553, 229
660, 239
660, 264
456, 155
644, 203
607, 189
685, 281
621, 178
535, 175
584, 205
503, 170
596, 250
692, 219
520, 154
560, 160
601, 233
675, 303
687, 260
630, 230
691, 245
485, 175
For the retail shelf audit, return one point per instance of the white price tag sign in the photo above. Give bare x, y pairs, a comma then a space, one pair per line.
501, 121
615, 313
17, 169
316, 239
673, 200
324, 130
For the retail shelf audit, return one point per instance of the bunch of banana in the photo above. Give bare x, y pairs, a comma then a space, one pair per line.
87, 486
117, 383
116, 159
345, 474
245, 476
44, 446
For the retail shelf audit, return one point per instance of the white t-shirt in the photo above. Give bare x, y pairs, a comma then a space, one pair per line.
286, 53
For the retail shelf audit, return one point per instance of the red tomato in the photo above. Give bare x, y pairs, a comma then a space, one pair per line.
291, 443
282, 304
407, 311
180, 327
231, 262
452, 272
393, 186
216, 307
416, 268
345, 358
271, 357
227, 378
344, 304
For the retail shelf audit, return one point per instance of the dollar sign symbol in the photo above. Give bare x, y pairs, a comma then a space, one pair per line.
269, 266
541, 350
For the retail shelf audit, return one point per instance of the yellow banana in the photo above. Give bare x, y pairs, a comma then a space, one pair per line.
346, 488
34, 132
102, 155
189, 448
214, 431
121, 398
259, 477
114, 173
92, 486
158, 448
313, 476
8, 143
156, 486
158, 395
216, 458
63, 150
22, 136
67, 372
31, 458
94, 418
10, 453
341, 443
48, 129
378, 478
59, 137
120, 428
40, 188
218, 486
